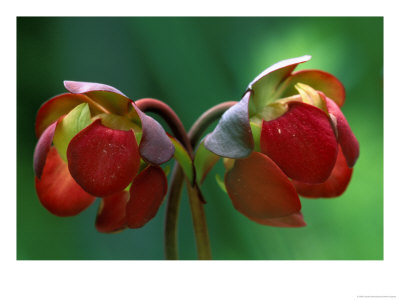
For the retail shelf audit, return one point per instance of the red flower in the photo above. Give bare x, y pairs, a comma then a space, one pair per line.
288, 136
95, 142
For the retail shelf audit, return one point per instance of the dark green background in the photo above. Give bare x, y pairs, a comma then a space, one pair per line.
193, 64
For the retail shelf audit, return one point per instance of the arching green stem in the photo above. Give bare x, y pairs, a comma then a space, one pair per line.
195, 197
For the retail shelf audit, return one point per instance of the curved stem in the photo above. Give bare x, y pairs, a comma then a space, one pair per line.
173, 121
205, 120
171, 218
199, 221
195, 197
174, 196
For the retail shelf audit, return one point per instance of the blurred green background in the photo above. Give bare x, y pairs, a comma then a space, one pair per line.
193, 64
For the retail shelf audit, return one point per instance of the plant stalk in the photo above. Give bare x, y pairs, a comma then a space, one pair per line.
195, 197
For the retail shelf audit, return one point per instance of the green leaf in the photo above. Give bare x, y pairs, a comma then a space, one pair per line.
183, 158
204, 161
76, 120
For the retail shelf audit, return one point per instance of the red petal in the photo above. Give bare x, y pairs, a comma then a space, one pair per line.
147, 193
301, 142
58, 191
111, 216
294, 220
346, 138
53, 109
318, 80
259, 189
42, 148
102, 160
333, 187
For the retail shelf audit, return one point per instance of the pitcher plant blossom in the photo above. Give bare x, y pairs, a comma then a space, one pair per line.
286, 137
95, 142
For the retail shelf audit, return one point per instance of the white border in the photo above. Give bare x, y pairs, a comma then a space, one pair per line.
198, 280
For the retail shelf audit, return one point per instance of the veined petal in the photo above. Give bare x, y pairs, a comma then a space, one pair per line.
56, 107
293, 220
346, 138
146, 195
103, 160
42, 148
232, 137
111, 216
301, 142
106, 97
265, 86
80, 87
259, 189
334, 186
318, 80
57, 190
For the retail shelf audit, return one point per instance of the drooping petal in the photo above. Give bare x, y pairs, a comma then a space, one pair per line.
265, 85
111, 216
105, 96
56, 107
293, 220
155, 145
42, 148
146, 195
346, 138
80, 87
232, 137
318, 80
333, 187
57, 190
259, 189
103, 160
301, 142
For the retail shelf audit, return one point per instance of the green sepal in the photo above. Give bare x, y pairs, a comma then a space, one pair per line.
204, 160
256, 131
183, 158
76, 120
